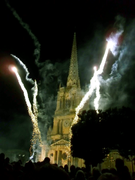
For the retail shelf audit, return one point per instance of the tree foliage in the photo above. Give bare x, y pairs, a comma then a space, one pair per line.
119, 124
95, 135
86, 142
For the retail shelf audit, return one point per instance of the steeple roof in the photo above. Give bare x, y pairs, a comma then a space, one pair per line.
73, 76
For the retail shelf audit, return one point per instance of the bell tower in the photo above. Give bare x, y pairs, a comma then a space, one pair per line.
68, 99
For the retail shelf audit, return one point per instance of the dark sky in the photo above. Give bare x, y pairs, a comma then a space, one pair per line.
51, 24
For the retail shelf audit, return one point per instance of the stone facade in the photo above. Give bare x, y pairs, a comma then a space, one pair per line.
68, 99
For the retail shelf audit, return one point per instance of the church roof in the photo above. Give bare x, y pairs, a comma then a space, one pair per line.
73, 77
60, 142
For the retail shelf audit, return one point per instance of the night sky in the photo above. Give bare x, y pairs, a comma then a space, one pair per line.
47, 28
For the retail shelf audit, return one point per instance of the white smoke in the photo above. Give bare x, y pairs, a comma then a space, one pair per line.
27, 28
119, 86
113, 42
25, 68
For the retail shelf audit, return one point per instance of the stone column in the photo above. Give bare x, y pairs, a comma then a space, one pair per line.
58, 157
71, 160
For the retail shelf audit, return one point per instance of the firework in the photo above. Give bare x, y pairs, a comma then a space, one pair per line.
36, 136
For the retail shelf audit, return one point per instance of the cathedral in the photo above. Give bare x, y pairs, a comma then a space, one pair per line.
68, 99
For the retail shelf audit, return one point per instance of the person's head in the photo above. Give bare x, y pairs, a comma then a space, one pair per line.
7, 160
47, 160
72, 168
113, 171
80, 175
95, 172
119, 164
2, 156
125, 168
108, 176
105, 171
66, 167
29, 166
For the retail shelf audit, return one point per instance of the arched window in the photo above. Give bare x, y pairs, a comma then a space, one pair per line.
60, 127
73, 100
67, 103
61, 102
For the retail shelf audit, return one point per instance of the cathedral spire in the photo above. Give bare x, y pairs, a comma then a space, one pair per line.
73, 77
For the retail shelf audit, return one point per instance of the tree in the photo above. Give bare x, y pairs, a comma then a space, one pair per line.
87, 142
122, 131
95, 135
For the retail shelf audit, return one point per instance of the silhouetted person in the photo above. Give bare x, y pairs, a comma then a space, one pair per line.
2, 158
61, 167
105, 171
72, 171
29, 170
96, 173
108, 176
80, 175
66, 168
126, 173
119, 164
133, 176
122, 171
7, 160
47, 160
113, 171
51, 172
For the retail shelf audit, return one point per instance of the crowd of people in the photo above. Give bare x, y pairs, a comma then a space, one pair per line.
47, 171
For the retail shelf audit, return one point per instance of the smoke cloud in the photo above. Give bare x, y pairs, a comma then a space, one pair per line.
117, 81
27, 28
52, 76
118, 88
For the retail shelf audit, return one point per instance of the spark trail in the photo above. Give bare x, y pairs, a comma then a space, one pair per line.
82, 103
93, 85
113, 41
94, 82
96, 100
34, 114
36, 136
100, 71
35, 109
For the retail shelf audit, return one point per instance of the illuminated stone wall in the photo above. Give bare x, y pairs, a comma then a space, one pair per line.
68, 99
